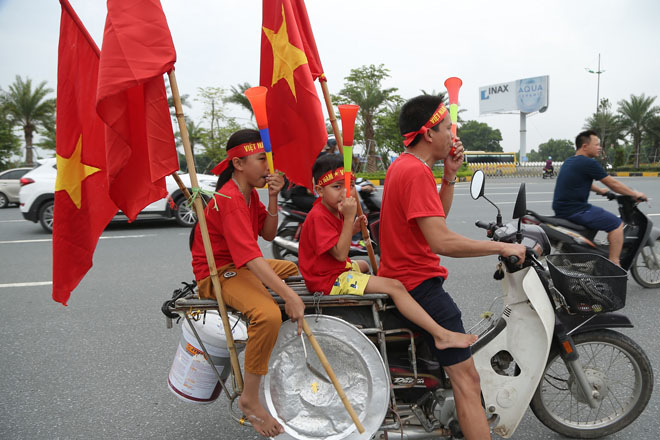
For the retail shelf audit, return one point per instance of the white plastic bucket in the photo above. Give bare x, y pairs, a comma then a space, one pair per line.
191, 377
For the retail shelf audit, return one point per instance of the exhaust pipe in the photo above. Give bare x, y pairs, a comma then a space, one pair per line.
286, 244
416, 433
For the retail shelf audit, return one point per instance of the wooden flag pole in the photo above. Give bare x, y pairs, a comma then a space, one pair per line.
335, 128
199, 210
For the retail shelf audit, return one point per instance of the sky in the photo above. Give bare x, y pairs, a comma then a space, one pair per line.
421, 42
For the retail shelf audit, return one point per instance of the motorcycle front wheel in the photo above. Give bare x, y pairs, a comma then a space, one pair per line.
646, 267
616, 367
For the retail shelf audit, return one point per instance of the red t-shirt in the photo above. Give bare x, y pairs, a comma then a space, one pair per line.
410, 193
319, 234
233, 228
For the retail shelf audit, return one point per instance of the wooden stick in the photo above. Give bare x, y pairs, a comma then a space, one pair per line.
199, 210
332, 376
335, 128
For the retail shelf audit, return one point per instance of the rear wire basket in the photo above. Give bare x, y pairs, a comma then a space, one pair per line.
589, 283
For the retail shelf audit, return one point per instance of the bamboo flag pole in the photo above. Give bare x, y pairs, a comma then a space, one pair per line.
199, 210
335, 128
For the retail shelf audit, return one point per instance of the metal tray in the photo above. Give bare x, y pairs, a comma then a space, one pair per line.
309, 408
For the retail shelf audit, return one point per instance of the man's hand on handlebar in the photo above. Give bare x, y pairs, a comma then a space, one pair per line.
640, 196
514, 250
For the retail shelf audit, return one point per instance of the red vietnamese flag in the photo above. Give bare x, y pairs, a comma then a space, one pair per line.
83, 207
295, 119
131, 99
307, 37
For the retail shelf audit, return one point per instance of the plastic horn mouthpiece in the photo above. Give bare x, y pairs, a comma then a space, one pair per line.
348, 113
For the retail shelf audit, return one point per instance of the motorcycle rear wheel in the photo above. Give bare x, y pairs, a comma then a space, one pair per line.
280, 253
644, 275
617, 367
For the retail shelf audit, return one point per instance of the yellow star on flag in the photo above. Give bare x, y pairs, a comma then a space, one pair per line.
71, 172
286, 57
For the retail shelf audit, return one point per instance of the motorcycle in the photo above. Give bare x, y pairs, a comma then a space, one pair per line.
285, 244
548, 173
551, 346
641, 246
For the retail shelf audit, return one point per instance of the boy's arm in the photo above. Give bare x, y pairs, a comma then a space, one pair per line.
340, 251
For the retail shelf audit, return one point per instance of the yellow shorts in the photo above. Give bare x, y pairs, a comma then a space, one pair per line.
351, 282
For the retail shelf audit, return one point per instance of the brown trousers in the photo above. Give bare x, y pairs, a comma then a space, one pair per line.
247, 294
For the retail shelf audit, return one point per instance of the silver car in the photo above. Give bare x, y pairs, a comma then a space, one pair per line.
10, 184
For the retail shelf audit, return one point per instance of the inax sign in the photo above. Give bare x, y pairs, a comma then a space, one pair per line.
524, 95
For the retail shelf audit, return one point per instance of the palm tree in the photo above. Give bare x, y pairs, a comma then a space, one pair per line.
195, 134
30, 109
363, 87
653, 130
608, 126
237, 96
636, 116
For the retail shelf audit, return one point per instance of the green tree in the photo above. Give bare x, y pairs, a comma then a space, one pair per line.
607, 124
653, 131
29, 109
558, 149
388, 137
479, 136
170, 99
636, 115
363, 86
216, 129
237, 96
195, 137
10, 144
619, 157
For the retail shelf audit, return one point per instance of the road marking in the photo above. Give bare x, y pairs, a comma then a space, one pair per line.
107, 237
652, 215
11, 221
34, 284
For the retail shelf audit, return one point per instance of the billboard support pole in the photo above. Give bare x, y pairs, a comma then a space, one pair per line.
523, 135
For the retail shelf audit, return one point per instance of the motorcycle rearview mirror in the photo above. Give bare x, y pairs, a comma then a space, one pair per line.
477, 186
520, 209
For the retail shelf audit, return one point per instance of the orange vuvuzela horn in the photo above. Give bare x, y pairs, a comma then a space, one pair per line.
453, 85
348, 113
257, 98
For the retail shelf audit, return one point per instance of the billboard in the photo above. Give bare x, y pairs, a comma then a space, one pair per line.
524, 95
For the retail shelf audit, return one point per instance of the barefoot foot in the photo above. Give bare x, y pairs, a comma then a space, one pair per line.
453, 339
260, 419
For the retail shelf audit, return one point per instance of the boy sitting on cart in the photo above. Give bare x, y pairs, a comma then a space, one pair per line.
323, 254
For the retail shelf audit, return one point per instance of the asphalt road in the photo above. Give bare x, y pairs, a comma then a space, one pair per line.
97, 369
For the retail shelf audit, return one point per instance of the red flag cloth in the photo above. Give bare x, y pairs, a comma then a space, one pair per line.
295, 118
307, 37
83, 207
132, 101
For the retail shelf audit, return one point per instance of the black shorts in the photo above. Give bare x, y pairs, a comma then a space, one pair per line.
442, 308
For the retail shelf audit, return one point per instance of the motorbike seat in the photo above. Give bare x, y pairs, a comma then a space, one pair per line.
557, 221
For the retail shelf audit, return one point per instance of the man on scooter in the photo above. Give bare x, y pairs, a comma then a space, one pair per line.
548, 165
413, 231
574, 183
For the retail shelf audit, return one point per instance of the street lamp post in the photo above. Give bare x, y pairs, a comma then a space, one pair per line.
597, 72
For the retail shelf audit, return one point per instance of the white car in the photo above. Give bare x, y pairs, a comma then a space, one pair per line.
9, 185
37, 196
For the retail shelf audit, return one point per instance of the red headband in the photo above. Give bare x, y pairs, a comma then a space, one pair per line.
436, 117
332, 176
241, 150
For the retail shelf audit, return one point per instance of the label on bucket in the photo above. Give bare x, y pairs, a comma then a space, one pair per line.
191, 374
